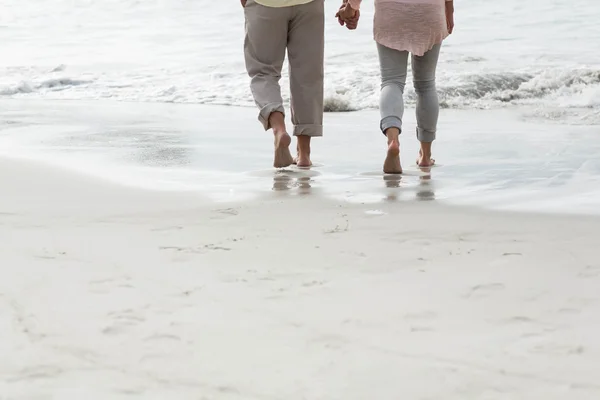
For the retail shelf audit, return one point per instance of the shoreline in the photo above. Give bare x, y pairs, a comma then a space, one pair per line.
490, 159
102, 193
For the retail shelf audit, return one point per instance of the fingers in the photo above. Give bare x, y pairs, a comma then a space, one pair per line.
346, 12
346, 15
352, 23
340, 19
450, 24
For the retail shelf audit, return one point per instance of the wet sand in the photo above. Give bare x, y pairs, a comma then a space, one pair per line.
334, 283
493, 159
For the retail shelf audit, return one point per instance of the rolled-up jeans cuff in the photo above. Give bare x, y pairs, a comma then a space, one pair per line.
308, 130
390, 122
425, 136
266, 112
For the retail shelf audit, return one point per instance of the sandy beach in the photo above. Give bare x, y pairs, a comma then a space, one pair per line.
149, 251
114, 291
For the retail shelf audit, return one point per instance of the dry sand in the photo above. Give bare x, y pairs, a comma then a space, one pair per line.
108, 292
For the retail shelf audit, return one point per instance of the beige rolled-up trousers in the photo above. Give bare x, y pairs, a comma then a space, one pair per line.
300, 30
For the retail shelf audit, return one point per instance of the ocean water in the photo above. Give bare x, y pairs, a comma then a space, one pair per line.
542, 54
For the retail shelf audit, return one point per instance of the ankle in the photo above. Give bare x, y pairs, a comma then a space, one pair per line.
392, 134
277, 123
304, 145
426, 150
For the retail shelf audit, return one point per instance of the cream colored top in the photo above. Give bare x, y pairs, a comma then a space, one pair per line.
282, 3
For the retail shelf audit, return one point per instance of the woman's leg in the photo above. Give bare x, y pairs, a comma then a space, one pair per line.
428, 107
393, 64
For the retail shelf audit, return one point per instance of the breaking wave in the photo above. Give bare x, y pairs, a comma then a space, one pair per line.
54, 84
565, 88
551, 88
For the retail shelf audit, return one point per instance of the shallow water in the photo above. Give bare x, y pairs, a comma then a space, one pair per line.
493, 159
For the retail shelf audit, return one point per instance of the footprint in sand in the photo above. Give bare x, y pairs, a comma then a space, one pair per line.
224, 213
46, 254
484, 290
37, 372
558, 349
313, 283
195, 250
419, 319
102, 286
121, 321
341, 227
215, 247
162, 337
591, 271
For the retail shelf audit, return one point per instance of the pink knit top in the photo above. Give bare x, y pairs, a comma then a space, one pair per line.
411, 25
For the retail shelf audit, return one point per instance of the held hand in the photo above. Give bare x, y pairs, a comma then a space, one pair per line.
450, 16
346, 12
348, 16
352, 24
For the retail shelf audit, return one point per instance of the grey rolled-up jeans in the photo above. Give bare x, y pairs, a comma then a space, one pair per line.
394, 65
269, 32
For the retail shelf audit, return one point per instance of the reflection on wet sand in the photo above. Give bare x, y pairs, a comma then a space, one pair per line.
412, 186
304, 185
148, 146
284, 181
392, 183
425, 190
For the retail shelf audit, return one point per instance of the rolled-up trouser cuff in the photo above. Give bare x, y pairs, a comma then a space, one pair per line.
425, 136
390, 122
308, 130
266, 112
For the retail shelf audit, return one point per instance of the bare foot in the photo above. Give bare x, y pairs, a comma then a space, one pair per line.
425, 160
303, 148
283, 157
303, 161
392, 160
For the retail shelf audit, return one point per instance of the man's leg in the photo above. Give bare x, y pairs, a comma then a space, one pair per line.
306, 46
264, 52
393, 65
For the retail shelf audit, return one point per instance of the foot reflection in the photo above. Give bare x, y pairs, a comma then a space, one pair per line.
392, 182
285, 182
282, 182
425, 190
304, 185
